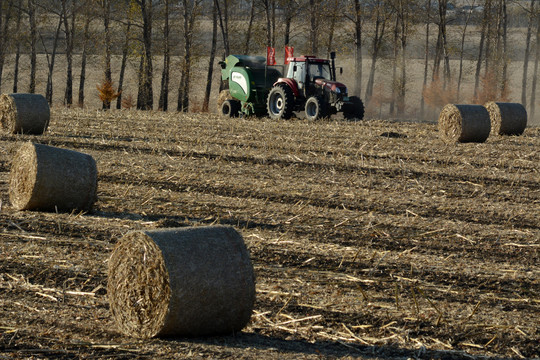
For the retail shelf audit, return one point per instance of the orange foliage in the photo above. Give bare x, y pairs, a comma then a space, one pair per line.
490, 89
128, 102
107, 93
437, 95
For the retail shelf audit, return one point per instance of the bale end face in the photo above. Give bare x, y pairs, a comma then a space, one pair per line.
181, 282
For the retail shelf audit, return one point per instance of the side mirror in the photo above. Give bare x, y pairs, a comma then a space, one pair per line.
340, 71
294, 68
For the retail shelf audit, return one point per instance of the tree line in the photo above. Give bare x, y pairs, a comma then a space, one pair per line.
369, 30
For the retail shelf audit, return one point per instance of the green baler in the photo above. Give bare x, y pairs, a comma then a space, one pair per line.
249, 80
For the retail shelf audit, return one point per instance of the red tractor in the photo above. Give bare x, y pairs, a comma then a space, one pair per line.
311, 86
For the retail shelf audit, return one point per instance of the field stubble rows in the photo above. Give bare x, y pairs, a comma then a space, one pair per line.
363, 245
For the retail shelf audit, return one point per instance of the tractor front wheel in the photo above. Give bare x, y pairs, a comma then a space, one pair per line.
355, 110
315, 108
280, 104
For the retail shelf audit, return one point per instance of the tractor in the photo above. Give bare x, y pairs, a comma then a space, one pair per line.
310, 86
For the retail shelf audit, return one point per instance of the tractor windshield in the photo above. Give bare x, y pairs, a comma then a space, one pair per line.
319, 70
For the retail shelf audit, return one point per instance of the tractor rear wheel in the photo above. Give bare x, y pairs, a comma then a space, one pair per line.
230, 108
280, 103
355, 110
315, 108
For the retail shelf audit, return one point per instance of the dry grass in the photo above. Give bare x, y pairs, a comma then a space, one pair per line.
362, 244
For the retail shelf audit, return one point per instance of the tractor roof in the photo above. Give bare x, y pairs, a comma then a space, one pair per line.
308, 58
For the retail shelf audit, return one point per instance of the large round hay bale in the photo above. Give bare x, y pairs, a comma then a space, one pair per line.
464, 123
24, 113
48, 178
191, 281
507, 118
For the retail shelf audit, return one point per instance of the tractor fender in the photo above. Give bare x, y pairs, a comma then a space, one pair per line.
291, 83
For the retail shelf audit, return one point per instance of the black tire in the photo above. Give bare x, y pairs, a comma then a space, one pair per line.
315, 108
355, 110
230, 108
280, 103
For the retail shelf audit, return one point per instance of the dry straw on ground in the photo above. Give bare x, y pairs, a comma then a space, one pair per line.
49, 178
464, 123
24, 113
181, 282
507, 118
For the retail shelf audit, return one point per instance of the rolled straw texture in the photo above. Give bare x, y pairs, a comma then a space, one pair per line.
52, 179
464, 123
507, 118
191, 281
24, 113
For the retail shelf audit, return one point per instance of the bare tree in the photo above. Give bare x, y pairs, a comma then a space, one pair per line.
380, 16
145, 97
462, 50
535, 73
314, 14
51, 57
527, 54
31, 7
164, 93
249, 28
212, 57
190, 12
17, 48
5, 15
426, 56
125, 50
223, 17
84, 55
69, 14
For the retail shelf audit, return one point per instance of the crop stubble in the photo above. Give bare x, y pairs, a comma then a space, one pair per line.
363, 245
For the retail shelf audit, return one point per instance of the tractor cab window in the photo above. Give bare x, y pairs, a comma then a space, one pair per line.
298, 71
319, 70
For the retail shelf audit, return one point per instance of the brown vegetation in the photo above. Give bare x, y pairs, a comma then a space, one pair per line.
363, 246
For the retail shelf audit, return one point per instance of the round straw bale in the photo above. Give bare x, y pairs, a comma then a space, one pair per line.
48, 178
507, 118
24, 113
191, 281
464, 123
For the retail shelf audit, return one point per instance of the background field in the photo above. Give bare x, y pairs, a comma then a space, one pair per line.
364, 245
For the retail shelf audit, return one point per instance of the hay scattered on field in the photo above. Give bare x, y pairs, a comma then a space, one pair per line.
507, 118
181, 282
223, 95
24, 113
47, 178
464, 123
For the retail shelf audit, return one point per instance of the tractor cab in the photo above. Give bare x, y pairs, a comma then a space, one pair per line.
305, 70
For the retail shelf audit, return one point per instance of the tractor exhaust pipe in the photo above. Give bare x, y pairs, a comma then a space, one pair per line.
333, 66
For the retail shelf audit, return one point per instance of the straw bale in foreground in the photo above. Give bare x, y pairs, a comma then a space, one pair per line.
191, 281
464, 123
507, 118
24, 113
48, 178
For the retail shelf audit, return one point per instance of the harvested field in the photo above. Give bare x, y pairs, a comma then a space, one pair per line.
364, 246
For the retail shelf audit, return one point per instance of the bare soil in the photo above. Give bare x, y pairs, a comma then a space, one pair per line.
369, 239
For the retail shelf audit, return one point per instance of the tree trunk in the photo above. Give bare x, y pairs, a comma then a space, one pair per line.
358, 47
125, 50
380, 25
164, 93
145, 98
50, 61
185, 79
84, 54
108, 46
267, 12
480, 51
426, 57
536, 60
224, 25
462, 47
394, 67
18, 49
403, 37
526, 56
33, 43
249, 29
4, 26
69, 31
209, 77
313, 30
504, 82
